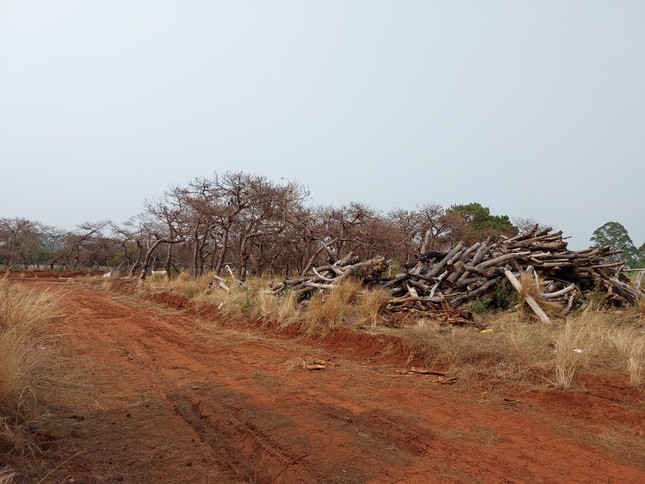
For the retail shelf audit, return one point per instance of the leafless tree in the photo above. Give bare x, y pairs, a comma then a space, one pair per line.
524, 224
21, 242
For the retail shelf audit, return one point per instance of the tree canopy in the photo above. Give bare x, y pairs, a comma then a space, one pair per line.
616, 236
480, 221
250, 223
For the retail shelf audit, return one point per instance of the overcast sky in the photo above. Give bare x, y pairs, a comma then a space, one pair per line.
532, 108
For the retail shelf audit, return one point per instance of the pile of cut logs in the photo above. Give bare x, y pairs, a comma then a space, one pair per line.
446, 283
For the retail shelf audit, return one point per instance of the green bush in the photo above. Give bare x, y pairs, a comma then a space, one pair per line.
505, 296
481, 305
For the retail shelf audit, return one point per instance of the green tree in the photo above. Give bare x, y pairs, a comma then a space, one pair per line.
640, 256
616, 236
480, 221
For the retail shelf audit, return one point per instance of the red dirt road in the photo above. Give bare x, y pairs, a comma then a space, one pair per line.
159, 396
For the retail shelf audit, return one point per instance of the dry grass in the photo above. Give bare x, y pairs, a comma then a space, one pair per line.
241, 303
335, 308
531, 285
24, 312
7, 475
282, 310
347, 304
372, 303
516, 348
24, 362
462, 348
629, 343
575, 344
640, 304
188, 285
234, 303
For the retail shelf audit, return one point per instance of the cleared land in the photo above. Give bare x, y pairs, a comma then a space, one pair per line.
151, 392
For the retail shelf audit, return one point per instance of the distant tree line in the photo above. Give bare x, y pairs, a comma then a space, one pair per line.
251, 224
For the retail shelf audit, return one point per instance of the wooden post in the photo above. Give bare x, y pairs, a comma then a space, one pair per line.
639, 278
529, 299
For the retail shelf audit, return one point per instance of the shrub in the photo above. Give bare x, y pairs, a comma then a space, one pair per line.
480, 305
505, 296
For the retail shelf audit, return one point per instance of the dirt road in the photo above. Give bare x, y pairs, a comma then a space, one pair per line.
158, 395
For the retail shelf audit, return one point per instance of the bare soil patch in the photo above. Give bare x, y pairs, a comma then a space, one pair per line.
152, 392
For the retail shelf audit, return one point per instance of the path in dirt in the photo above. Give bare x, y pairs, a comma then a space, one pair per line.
160, 396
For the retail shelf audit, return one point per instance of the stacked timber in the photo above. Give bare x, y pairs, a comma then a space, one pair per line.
444, 282
369, 272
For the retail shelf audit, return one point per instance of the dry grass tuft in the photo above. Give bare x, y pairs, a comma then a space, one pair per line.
372, 303
629, 343
24, 362
521, 350
189, 286
24, 312
575, 344
527, 341
335, 308
234, 304
239, 303
270, 308
7, 475
640, 305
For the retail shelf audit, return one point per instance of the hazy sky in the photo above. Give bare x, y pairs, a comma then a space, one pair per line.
532, 108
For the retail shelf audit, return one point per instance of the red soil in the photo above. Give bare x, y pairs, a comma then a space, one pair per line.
160, 395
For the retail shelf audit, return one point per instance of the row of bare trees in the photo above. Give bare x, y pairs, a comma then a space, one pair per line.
248, 222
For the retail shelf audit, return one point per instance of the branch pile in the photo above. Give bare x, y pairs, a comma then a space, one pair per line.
369, 272
447, 282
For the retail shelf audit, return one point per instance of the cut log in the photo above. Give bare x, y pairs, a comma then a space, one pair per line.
528, 298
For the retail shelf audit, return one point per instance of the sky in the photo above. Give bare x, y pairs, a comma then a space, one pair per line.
535, 109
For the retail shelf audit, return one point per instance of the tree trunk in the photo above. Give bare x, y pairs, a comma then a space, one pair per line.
137, 262
222, 254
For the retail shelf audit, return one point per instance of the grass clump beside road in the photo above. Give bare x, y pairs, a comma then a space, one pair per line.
516, 348
24, 362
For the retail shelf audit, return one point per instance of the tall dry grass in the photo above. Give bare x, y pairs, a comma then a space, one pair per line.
336, 308
580, 338
7, 475
371, 306
640, 305
629, 343
517, 348
281, 310
24, 361
186, 284
347, 304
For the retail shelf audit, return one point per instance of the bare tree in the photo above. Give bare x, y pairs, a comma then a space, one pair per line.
21, 242
524, 224
87, 246
169, 213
